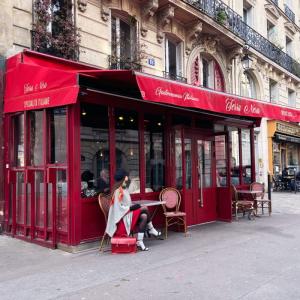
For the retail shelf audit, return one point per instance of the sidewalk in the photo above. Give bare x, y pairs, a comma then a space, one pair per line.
239, 260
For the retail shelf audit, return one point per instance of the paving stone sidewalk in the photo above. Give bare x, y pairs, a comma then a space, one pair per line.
240, 260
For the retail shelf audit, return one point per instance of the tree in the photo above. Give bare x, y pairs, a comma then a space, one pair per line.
54, 31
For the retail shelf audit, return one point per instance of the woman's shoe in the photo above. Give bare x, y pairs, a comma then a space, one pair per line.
140, 244
152, 231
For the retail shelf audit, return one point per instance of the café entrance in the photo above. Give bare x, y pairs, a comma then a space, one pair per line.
195, 173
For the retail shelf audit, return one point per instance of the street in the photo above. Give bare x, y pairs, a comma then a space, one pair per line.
240, 260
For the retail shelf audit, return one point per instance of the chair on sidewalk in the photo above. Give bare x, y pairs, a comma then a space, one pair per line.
173, 216
241, 205
104, 203
259, 199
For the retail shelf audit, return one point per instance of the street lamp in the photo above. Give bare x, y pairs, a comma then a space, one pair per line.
247, 62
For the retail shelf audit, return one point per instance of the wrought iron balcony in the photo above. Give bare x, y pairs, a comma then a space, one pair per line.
117, 63
289, 13
275, 2
225, 16
172, 76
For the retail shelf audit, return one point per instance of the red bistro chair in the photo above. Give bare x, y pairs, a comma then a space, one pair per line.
104, 203
260, 201
173, 216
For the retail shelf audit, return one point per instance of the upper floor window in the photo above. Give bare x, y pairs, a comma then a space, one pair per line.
273, 89
173, 58
247, 86
291, 98
289, 46
271, 31
123, 39
212, 76
247, 13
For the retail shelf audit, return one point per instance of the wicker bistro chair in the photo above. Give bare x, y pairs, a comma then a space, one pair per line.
104, 203
260, 201
241, 205
173, 216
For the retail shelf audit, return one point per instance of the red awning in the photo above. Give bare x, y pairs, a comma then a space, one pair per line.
179, 94
35, 81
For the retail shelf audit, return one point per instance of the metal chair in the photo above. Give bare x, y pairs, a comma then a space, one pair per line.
173, 216
241, 205
104, 203
259, 201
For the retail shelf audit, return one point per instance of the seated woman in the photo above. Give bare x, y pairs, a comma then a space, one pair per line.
123, 216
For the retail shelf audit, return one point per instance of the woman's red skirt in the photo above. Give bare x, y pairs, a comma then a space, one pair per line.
121, 229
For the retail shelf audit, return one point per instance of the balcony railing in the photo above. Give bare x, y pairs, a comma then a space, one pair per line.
173, 76
275, 2
224, 15
289, 13
116, 63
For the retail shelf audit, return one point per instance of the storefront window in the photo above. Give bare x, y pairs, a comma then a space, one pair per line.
19, 140
235, 156
204, 157
246, 155
36, 138
127, 146
58, 135
94, 150
154, 153
292, 155
178, 160
188, 163
221, 161
61, 200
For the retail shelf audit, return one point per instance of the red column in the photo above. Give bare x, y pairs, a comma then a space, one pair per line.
252, 147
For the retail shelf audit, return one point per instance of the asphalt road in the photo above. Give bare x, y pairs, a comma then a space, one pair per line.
257, 259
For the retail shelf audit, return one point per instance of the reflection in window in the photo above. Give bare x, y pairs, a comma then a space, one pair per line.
127, 146
188, 163
154, 153
204, 157
235, 157
36, 138
61, 200
58, 135
94, 150
246, 155
19, 140
221, 160
39, 198
178, 160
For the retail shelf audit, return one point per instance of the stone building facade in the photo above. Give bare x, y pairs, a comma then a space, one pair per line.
244, 47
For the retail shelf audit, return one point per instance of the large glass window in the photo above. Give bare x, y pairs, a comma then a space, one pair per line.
235, 156
178, 160
246, 155
188, 163
94, 150
154, 152
127, 146
19, 157
221, 160
36, 138
58, 135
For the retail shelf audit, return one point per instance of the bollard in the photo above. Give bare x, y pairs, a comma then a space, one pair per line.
269, 185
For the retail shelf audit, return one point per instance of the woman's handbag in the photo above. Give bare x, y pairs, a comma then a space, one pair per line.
123, 245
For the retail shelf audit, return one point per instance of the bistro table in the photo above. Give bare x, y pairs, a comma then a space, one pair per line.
150, 203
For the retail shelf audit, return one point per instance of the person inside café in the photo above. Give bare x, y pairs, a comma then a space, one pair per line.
124, 216
103, 181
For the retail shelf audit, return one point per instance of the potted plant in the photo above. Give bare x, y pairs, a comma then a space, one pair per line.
222, 17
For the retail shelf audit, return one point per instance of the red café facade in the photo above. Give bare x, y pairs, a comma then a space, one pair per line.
69, 126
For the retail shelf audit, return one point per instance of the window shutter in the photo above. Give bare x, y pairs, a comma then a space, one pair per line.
219, 80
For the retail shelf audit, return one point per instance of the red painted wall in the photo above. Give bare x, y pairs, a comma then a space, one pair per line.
2, 64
